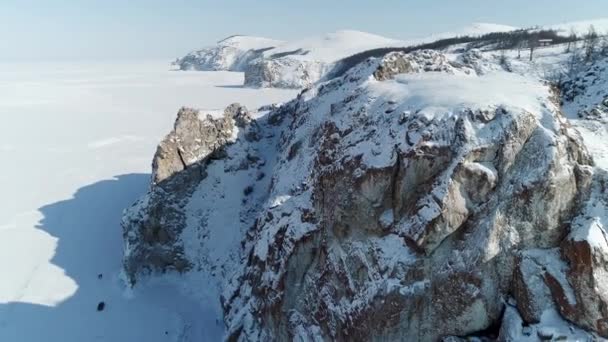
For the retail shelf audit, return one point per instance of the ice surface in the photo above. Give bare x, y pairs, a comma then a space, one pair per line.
76, 141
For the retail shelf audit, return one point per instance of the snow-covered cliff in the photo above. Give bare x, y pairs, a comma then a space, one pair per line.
417, 196
230, 54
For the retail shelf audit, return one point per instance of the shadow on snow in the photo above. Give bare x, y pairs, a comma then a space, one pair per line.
89, 244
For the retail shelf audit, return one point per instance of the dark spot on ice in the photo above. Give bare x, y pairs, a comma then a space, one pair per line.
248, 190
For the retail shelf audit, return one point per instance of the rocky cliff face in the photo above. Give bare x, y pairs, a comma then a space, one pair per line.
231, 54
284, 72
410, 199
260, 71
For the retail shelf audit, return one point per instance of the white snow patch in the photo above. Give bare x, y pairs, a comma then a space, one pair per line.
387, 218
279, 200
441, 93
333, 46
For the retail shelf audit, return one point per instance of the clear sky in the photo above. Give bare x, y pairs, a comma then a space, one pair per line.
125, 29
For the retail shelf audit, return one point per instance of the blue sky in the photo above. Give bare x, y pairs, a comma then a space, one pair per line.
125, 29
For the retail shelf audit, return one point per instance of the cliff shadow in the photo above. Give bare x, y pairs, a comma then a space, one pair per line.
87, 235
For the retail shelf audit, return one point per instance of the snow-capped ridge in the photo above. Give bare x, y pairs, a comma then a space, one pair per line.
332, 46
580, 27
246, 42
473, 30
477, 29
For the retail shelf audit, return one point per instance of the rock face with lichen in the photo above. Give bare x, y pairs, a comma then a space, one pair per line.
409, 199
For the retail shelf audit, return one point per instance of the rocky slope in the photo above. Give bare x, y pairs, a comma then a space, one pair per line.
417, 197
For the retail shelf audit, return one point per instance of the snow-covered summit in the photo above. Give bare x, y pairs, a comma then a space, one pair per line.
483, 28
473, 30
581, 27
244, 42
332, 46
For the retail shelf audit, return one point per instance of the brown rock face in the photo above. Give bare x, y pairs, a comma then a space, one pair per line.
586, 251
538, 278
194, 139
572, 279
416, 224
421, 61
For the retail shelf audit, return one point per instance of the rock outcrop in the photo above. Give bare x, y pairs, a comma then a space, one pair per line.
409, 199
572, 279
153, 226
285, 72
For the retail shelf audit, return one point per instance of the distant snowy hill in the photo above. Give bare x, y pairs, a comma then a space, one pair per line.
483, 28
272, 63
228, 53
303, 62
581, 27
332, 46
475, 29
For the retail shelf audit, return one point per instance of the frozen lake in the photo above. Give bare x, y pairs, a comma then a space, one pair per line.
76, 141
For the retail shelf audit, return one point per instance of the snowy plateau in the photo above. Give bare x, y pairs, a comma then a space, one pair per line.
454, 194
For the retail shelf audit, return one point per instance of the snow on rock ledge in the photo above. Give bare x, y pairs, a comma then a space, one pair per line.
389, 204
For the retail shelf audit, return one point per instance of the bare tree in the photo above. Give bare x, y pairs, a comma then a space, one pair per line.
504, 61
520, 45
571, 40
604, 46
532, 43
591, 42
574, 63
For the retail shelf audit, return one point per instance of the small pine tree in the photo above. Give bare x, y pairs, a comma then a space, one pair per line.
532, 43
